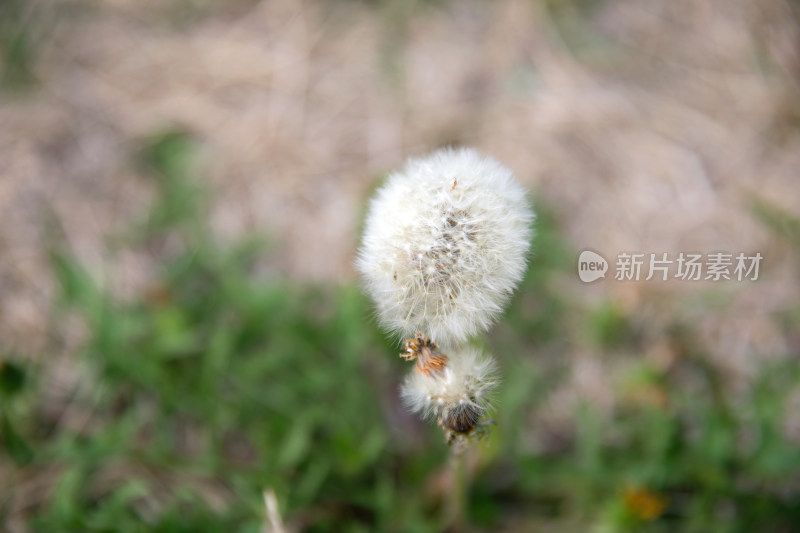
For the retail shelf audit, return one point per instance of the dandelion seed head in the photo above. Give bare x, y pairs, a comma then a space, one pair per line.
445, 245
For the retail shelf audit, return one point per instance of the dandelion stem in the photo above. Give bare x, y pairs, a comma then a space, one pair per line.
455, 504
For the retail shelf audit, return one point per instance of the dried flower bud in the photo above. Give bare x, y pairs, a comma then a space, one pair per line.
445, 245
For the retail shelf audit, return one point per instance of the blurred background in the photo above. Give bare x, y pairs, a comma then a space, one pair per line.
182, 334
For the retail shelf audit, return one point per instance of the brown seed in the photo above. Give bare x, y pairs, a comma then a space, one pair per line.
463, 417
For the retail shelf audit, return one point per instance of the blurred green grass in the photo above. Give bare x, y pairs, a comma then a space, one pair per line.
17, 45
216, 384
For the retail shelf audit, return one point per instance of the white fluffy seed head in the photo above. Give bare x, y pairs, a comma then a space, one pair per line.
466, 383
445, 245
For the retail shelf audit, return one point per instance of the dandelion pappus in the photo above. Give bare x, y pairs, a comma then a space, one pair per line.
423, 349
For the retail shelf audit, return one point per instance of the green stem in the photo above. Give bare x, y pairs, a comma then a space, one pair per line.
455, 505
